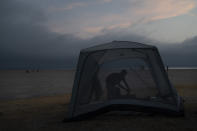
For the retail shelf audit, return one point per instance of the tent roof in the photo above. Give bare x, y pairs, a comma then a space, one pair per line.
118, 45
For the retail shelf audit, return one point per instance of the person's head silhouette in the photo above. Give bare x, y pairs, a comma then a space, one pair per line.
123, 72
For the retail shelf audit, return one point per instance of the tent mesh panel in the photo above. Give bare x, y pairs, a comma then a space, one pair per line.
103, 78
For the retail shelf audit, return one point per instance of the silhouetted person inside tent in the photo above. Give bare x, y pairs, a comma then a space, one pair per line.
113, 84
97, 89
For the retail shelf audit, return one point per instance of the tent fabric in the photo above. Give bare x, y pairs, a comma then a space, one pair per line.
97, 83
118, 45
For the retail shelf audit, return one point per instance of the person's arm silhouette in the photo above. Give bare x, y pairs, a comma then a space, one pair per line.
127, 86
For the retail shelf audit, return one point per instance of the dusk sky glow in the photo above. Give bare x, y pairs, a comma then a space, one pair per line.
163, 20
52, 32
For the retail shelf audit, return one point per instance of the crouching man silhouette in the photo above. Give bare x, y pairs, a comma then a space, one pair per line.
113, 84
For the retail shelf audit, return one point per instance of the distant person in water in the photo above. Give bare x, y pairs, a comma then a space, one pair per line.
113, 84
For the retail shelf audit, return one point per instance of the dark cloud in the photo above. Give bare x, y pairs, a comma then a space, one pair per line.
173, 54
180, 54
26, 42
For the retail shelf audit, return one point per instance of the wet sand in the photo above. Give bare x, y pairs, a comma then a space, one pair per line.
183, 77
44, 109
17, 84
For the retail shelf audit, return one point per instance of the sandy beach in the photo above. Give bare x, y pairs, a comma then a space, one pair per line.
38, 101
17, 84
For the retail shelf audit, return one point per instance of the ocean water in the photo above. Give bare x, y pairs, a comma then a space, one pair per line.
182, 68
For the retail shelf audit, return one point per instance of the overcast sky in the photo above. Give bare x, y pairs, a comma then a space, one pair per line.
50, 33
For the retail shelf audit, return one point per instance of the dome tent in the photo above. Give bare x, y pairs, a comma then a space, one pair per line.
122, 75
